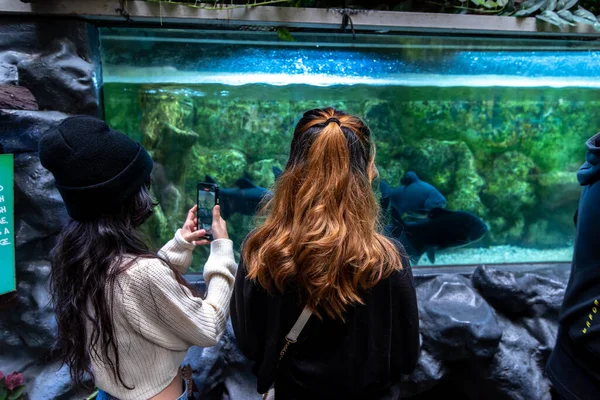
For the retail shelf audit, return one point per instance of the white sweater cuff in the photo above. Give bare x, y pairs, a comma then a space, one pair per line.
221, 260
182, 242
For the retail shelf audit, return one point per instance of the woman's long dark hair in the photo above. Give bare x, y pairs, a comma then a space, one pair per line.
86, 261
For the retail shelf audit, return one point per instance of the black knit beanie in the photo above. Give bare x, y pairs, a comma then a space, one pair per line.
95, 167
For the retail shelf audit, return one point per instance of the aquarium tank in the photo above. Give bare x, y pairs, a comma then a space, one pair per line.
478, 140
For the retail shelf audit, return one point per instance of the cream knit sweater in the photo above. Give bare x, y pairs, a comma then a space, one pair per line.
156, 320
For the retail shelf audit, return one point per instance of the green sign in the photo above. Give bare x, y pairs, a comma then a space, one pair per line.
8, 281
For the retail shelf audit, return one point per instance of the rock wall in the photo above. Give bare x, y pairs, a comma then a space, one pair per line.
485, 335
55, 67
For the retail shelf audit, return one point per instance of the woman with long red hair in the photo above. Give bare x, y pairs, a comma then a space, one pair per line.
320, 253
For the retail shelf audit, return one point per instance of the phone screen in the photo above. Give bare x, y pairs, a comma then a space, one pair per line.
206, 202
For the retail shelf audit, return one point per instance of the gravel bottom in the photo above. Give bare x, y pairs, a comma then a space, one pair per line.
499, 255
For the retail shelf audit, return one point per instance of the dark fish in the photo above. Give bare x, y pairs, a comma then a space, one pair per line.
385, 190
442, 229
277, 172
245, 198
413, 197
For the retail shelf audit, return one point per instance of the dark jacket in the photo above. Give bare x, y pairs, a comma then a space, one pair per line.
574, 366
360, 358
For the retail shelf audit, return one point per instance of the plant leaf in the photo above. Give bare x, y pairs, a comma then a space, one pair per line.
16, 394
490, 4
581, 20
532, 7
529, 3
550, 17
284, 34
567, 16
550, 5
566, 4
583, 13
3, 393
502, 3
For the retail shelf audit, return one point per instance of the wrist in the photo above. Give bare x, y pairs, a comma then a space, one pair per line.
181, 240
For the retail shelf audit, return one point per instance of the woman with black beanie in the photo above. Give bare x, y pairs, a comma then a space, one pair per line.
124, 314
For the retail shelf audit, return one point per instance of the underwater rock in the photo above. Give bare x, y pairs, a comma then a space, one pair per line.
171, 148
450, 167
61, 80
171, 200
261, 172
557, 196
20, 131
158, 228
551, 230
515, 372
380, 117
225, 166
456, 322
259, 129
557, 189
390, 171
508, 192
529, 295
506, 230
171, 110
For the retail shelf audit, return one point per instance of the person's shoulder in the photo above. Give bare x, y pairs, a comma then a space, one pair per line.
146, 270
398, 245
402, 276
404, 259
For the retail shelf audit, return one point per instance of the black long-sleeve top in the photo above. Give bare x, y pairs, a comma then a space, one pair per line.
360, 358
574, 366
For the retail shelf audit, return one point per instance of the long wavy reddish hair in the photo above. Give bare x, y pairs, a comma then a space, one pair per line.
320, 234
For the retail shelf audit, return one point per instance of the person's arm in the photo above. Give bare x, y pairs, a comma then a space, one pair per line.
167, 313
178, 252
405, 322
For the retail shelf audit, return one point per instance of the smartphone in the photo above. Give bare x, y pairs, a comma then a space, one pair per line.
208, 197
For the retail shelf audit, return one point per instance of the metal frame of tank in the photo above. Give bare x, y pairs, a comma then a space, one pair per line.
362, 20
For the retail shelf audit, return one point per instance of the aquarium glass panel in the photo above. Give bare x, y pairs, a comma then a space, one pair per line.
478, 139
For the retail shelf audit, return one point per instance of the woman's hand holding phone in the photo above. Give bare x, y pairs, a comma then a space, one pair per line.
192, 234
